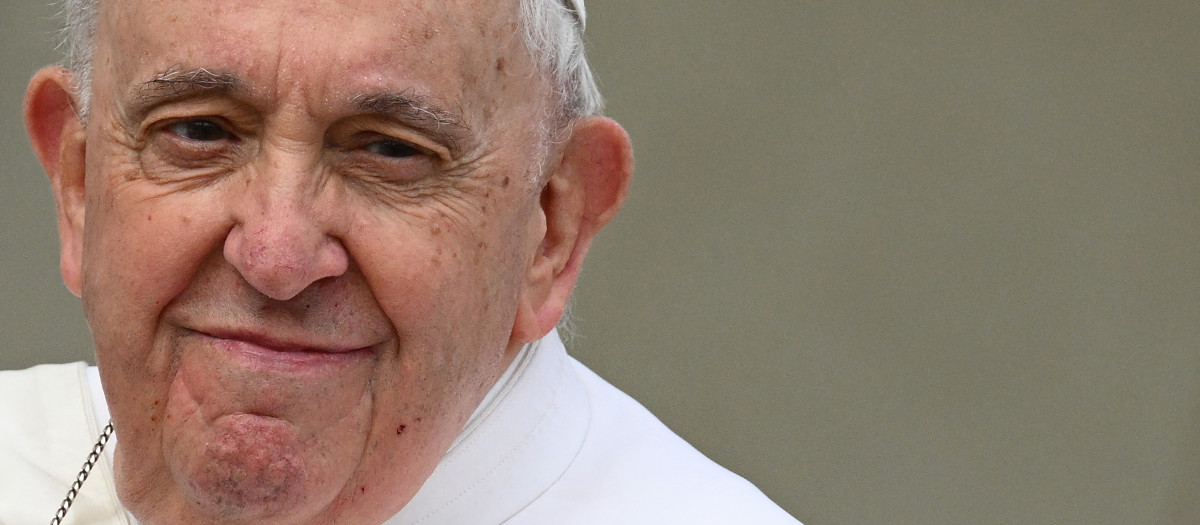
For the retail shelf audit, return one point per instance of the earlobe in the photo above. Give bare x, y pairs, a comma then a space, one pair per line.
581, 196
57, 135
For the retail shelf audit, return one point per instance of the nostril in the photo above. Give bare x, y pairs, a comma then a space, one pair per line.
332, 259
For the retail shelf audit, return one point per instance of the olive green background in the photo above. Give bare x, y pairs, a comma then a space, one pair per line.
895, 262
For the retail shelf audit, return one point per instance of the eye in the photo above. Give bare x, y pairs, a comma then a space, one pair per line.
392, 149
200, 130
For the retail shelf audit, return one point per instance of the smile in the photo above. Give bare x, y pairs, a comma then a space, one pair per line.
278, 355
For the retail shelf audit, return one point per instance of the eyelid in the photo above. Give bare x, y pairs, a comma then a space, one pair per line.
357, 133
218, 122
237, 120
366, 142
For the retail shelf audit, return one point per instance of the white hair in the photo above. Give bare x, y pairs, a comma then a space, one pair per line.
553, 31
554, 36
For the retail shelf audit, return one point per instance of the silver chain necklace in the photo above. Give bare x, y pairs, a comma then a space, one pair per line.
92, 458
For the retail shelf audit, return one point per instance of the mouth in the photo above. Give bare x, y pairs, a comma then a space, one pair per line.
304, 379
284, 354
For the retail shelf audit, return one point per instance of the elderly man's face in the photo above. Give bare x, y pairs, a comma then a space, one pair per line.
308, 245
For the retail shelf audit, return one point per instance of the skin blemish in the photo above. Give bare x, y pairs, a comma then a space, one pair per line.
504, 183
500, 69
400, 429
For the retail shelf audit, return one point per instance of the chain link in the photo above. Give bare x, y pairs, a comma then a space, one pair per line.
92, 458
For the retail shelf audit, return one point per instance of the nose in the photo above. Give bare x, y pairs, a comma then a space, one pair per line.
280, 245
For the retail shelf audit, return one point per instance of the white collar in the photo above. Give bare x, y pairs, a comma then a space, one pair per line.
523, 436
518, 445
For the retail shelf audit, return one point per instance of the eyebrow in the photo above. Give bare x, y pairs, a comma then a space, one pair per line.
414, 110
177, 84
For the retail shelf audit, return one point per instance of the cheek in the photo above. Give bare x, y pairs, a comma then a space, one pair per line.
142, 241
140, 251
436, 271
418, 272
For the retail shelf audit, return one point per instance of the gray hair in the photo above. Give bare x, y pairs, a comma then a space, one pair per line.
553, 31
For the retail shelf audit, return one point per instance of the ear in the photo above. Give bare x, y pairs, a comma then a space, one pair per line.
57, 134
581, 195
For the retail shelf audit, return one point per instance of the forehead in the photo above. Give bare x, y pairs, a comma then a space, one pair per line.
449, 50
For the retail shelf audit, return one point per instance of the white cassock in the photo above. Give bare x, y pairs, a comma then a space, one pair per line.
552, 443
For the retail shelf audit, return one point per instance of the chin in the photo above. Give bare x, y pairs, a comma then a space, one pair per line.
250, 468
243, 469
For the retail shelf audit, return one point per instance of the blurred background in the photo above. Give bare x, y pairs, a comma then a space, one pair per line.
894, 262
